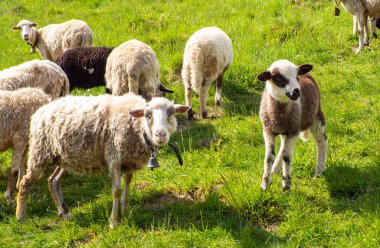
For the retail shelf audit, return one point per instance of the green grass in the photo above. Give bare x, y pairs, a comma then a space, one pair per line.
215, 199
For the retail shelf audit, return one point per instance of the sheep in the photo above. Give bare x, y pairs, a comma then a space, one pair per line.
133, 67
82, 134
290, 106
16, 109
362, 9
36, 73
52, 40
208, 54
85, 66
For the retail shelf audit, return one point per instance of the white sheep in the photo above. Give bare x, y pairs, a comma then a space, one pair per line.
86, 134
208, 54
36, 73
362, 9
290, 105
16, 110
133, 67
52, 40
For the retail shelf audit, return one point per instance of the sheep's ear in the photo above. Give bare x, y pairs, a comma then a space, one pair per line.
181, 108
137, 113
305, 68
266, 75
15, 28
34, 24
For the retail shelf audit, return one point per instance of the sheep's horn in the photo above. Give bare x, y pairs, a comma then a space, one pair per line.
164, 89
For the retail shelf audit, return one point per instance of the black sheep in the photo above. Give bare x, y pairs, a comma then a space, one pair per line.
85, 66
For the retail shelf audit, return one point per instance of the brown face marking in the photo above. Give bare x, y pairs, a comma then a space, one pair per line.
279, 79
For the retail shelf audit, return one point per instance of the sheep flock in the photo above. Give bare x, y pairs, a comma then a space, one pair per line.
119, 131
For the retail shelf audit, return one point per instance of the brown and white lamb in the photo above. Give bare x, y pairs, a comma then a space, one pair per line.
290, 106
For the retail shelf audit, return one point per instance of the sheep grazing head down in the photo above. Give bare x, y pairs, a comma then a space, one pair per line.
282, 80
159, 121
26, 29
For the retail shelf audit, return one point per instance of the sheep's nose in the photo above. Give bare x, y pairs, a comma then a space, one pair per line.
294, 95
26, 36
161, 134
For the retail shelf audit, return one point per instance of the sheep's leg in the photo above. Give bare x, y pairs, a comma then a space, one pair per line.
21, 172
188, 100
366, 33
363, 36
269, 140
218, 90
34, 173
372, 26
278, 162
203, 98
318, 131
17, 159
56, 193
355, 25
287, 157
125, 196
116, 190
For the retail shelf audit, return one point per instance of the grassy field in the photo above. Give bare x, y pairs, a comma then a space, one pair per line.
215, 199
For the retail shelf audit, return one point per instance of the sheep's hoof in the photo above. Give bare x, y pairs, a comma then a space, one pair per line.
265, 183
10, 199
218, 102
204, 115
366, 43
108, 91
375, 35
19, 217
356, 50
190, 114
286, 183
66, 215
113, 224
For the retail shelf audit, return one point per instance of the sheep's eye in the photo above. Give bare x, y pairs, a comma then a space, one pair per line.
148, 115
171, 112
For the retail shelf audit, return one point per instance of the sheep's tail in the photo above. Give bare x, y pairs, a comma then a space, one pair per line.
196, 69
305, 135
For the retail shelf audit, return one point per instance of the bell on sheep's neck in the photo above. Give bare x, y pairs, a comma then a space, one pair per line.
153, 163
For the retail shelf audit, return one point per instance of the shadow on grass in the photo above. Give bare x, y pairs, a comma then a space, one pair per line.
179, 211
240, 101
350, 186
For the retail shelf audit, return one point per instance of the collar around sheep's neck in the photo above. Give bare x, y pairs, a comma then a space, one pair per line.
155, 149
36, 39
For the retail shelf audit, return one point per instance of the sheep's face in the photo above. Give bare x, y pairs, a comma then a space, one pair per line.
26, 29
159, 120
282, 80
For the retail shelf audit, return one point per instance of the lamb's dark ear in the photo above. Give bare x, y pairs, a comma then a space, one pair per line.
15, 28
137, 113
266, 75
305, 68
181, 108
34, 24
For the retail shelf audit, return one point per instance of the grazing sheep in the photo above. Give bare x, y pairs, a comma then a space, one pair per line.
42, 74
52, 40
86, 134
208, 54
16, 110
85, 66
290, 106
133, 67
362, 9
